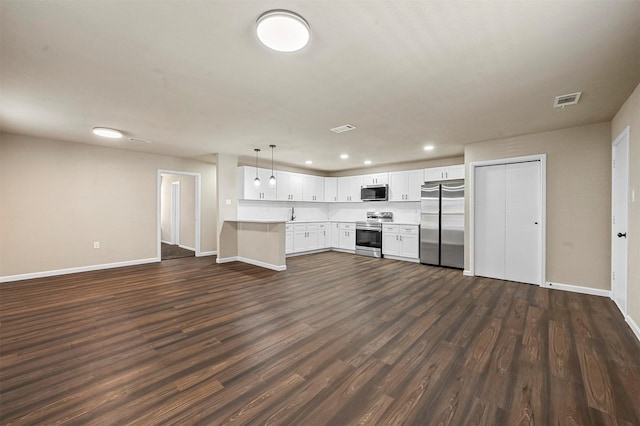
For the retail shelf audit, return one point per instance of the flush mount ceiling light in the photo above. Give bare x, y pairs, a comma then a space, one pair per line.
106, 132
308, 162
428, 148
367, 162
344, 156
282, 30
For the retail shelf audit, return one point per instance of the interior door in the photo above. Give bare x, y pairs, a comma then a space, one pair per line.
619, 212
489, 222
523, 223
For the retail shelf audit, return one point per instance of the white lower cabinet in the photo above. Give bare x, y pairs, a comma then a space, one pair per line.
347, 236
289, 239
401, 241
307, 237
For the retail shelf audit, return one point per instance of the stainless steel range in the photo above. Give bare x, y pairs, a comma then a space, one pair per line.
369, 233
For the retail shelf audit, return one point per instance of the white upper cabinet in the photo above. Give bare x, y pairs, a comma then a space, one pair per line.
444, 173
289, 186
247, 190
375, 179
312, 188
405, 186
349, 189
330, 189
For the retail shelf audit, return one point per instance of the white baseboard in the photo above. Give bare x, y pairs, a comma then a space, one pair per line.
208, 253
578, 289
404, 259
306, 252
166, 242
9, 278
252, 262
634, 326
342, 250
186, 247
467, 273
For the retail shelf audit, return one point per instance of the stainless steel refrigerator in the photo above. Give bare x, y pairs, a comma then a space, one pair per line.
442, 223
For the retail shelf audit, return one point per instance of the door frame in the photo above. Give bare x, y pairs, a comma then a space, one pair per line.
197, 209
175, 212
624, 136
542, 158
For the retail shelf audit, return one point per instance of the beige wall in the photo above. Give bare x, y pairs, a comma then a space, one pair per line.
629, 115
187, 208
578, 199
58, 197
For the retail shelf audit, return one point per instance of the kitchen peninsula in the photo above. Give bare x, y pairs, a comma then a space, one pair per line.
257, 242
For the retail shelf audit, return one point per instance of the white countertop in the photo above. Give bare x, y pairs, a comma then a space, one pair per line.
253, 221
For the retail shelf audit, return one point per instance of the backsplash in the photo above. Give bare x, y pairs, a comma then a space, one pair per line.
406, 212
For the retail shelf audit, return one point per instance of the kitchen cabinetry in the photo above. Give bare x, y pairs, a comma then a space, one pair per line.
288, 186
347, 236
312, 188
330, 189
247, 190
289, 239
375, 179
405, 186
444, 173
305, 237
324, 236
349, 189
401, 241
335, 234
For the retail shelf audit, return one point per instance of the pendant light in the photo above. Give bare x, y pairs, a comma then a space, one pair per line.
272, 179
256, 181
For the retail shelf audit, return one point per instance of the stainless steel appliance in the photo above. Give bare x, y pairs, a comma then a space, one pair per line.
369, 233
374, 192
442, 223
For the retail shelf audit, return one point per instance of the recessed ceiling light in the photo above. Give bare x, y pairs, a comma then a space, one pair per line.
428, 147
344, 156
367, 162
282, 30
308, 162
106, 132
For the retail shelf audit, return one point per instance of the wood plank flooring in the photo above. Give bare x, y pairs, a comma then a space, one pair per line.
336, 339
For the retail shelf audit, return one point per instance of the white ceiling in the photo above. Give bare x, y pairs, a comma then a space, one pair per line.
192, 77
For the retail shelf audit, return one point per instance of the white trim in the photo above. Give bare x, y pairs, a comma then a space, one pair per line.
402, 258
252, 262
186, 247
634, 326
342, 250
300, 253
166, 242
89, 268
578, 289
543, 189
467, 273
198, 202
208, 253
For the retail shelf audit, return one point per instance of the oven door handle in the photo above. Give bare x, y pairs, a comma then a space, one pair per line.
369, 228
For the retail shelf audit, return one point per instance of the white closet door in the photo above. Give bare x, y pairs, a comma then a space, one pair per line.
489, 227
523, 223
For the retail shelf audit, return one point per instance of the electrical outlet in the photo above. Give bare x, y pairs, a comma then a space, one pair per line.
96, 244
227, 201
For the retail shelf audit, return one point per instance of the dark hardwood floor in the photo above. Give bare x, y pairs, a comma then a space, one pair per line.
336, 339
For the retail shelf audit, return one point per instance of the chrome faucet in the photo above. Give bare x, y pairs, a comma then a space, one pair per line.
293, 216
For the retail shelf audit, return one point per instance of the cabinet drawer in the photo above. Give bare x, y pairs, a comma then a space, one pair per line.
289, 227
390, 228
347, 226
409, 230
300, 226
312, 226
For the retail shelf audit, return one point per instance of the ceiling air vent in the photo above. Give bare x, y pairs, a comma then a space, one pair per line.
342, 129
564, 100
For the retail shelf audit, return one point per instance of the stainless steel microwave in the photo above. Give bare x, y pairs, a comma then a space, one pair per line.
374, 193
